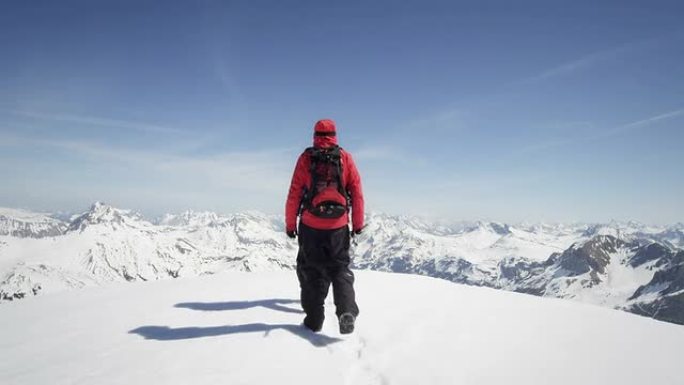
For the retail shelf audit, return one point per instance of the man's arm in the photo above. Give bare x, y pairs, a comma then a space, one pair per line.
294, 196
356, 192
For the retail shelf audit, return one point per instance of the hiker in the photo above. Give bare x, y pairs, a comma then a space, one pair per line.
325, 187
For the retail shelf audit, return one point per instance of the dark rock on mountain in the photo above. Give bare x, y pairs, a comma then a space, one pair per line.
593, 255
524, 276
668, 286
501, 229
668, 309
652, 252
669, 280
455, 270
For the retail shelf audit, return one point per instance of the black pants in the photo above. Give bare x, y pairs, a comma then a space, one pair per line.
323, 259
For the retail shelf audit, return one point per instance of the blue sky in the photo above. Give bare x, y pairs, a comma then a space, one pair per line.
512, 111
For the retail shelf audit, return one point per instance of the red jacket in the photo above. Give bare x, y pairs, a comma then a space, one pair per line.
351, 180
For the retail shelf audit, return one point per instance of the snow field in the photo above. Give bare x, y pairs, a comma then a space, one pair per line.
244, 328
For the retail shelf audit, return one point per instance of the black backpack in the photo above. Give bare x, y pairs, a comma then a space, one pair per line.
326, 197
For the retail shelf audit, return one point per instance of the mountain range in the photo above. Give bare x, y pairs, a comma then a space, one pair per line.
627, 266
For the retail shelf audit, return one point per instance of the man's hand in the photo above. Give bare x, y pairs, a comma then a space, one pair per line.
357, 231
292, 233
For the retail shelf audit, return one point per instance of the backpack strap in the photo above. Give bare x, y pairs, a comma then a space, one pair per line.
340, 187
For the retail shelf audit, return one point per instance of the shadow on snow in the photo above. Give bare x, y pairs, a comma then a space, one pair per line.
273, 304
165, 333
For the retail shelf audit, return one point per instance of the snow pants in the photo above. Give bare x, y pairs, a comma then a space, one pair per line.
323, 259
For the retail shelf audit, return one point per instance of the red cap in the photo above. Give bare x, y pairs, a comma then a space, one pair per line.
324, 134
325, 125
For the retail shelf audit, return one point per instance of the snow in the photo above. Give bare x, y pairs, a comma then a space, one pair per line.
483, 243
21, 214
17, 222
243, 328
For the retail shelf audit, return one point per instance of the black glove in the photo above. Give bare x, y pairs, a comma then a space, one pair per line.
292, 233
357, 231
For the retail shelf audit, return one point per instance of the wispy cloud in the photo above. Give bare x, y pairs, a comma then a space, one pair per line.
570, 67
544, 145
445, 121
260, 170
569, 133
100, 122
585, 62
635, 125
646, 122
378, 152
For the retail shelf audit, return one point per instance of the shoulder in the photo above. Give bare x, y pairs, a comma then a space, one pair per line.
346, 155
303, 159
306, 154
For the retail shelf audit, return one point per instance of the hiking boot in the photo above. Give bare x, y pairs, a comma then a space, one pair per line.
313, 326
346, 323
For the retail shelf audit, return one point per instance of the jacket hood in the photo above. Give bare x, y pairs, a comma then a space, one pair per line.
325, 134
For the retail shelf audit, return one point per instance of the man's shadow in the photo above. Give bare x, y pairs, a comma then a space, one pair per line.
274, 304
165, 333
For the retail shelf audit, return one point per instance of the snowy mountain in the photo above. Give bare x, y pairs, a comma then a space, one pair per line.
627, 266
638, 272
189, 218
107, 244
26, 224
663, 296
245, 328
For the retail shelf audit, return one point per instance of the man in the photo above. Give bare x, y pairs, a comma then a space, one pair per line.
325, 186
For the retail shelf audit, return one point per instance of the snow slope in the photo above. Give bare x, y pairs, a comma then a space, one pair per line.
243, 328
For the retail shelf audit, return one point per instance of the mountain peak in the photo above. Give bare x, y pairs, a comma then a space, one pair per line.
492, 227
188, 218
102, 213
591, 255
